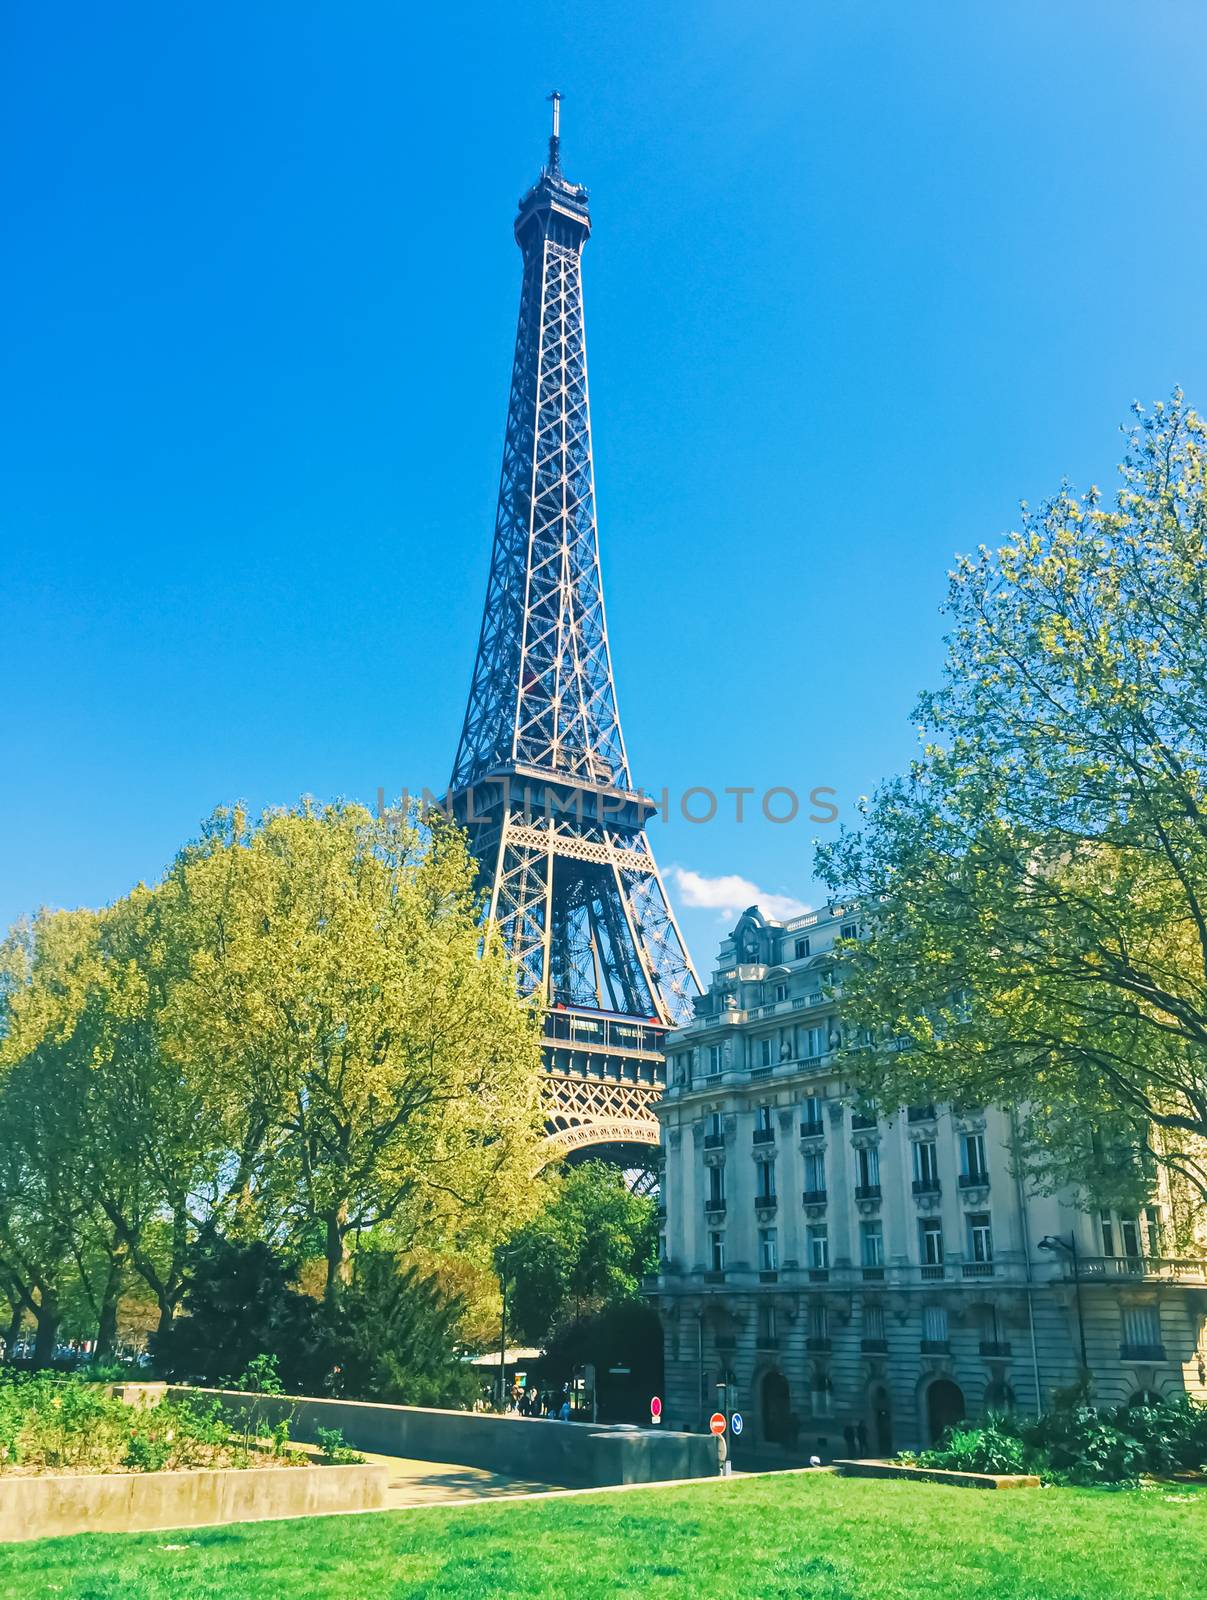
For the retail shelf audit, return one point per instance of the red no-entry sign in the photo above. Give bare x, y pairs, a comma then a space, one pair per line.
655, 1407
716, 1422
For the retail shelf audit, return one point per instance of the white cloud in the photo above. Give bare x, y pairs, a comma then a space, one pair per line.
730, 895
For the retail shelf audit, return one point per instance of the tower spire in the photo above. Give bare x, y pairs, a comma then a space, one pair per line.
555, 141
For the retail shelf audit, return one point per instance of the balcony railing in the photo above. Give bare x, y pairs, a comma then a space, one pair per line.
927, 1186
974, 1180
1142, 1352
873, 1274
818, 1342
769, 1275
874, 1347
713, 1141
1179, 1270
812, 1130
995, 1349
819, 1274
813, 1197
936, 1347
763, 1136
867, 1191
977, 1269
765, 1202
921, 1114
932, 1271
716, 1207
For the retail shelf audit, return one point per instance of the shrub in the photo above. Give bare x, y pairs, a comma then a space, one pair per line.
334, 1449
992, 1448
1077, 1443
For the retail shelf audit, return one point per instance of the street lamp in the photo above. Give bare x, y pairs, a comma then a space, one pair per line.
502, 1257
1069, 1245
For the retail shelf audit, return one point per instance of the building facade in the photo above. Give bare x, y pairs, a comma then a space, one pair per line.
862, 1280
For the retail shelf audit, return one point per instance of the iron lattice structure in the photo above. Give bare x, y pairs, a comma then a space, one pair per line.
541, 779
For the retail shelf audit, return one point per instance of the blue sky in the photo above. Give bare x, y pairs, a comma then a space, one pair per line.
862, 277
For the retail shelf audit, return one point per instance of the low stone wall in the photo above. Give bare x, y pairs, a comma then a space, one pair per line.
567, 1454
958, 1480
42, 1507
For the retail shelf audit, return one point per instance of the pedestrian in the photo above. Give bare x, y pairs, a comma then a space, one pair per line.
564, 1413
849, 1435
861, 1435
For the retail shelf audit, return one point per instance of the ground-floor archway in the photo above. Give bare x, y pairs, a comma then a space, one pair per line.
775, 1407
944, 1407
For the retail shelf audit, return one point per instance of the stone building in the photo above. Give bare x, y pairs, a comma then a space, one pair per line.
863, 1279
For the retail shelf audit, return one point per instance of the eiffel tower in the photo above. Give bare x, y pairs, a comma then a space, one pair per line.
541, 780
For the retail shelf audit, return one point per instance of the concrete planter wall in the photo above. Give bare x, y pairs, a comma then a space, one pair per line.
568, 1454
956, 1480
123, 1502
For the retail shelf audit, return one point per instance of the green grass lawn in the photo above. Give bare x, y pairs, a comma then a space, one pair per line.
810, 1536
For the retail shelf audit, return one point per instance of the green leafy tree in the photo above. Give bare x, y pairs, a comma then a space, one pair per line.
1034, 892
588, 1247
240, 1307
337, 979
392, 1335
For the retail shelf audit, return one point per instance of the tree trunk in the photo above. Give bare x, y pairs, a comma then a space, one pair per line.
106, 1327
47, 1335
167, 1316
14, 1328
337, 1254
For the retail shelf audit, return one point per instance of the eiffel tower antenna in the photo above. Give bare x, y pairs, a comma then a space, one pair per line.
555, 140
541, 779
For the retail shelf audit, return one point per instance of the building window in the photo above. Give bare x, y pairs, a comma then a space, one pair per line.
765, 1185
815, 1171
820, 1391
1129, 1234
662, 1247
926, 1163
766, 1327
972, 1157
849, 930
980, 1236
810, 1116
781, 992
861, 1120
716, 1251
819, 1247
934, 1324
714, 1058
765, 1057
819, 1320
871, 1243
716, 1187
1108, 1233
768, 1253
1141, 1326
714, 1128
873, 1321
762, 1119
930, 1241
801, 949
1153, 1230
867, 1166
